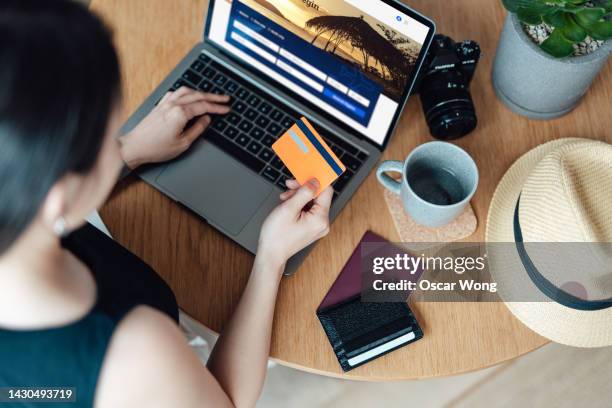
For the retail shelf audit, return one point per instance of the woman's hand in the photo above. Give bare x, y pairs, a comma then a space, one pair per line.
163, 135
296, 223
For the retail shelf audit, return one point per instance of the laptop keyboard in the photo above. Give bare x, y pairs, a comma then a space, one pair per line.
255, 123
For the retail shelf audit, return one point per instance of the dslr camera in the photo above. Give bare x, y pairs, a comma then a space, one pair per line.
443, 86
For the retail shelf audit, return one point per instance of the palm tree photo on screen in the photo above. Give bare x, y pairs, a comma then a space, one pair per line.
345, 32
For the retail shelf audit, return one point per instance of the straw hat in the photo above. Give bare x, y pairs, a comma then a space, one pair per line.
560, 193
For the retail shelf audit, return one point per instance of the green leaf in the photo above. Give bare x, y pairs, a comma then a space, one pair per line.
601, 30
513, 5
590, 15
510, 5
555, 19
578, 9
557, 45
529, 16
572, 31
605, 4
569, 8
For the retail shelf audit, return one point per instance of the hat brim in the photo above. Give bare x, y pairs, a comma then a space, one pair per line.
550, 319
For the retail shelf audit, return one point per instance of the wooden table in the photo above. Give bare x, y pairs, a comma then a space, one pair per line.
208, 272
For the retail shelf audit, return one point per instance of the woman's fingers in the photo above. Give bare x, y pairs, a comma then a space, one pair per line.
320, 205
195, 96
203, 107
182, 91
211, 97
302, 196
189, 98
287, 195
165, 98
194, 103
292, 184
195, 130
185, 95
323, 201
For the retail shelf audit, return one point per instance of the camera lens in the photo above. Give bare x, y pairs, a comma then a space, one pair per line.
447, 103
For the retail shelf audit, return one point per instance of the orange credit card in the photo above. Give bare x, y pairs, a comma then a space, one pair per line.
307, 156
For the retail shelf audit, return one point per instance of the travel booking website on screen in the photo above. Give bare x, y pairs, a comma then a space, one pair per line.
353, 59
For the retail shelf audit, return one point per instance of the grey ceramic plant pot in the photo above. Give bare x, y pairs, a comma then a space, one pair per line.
534, 84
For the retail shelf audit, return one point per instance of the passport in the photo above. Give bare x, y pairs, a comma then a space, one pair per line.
307, 156
359, 332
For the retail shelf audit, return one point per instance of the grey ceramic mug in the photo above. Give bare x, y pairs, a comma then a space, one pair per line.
438, 181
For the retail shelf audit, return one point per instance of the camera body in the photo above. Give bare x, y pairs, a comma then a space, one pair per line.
443, 86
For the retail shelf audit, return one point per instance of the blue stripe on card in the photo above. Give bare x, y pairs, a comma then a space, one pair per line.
315, 142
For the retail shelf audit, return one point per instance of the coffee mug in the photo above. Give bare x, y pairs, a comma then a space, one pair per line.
438, 181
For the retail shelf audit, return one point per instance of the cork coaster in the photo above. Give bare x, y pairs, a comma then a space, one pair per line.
409, 231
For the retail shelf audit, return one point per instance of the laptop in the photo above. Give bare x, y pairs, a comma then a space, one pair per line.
348, 66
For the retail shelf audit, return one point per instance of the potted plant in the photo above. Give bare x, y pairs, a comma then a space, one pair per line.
549, 53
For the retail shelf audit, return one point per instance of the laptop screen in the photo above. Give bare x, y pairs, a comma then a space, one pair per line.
353, 59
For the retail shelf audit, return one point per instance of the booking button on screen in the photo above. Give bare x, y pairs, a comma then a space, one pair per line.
344, 103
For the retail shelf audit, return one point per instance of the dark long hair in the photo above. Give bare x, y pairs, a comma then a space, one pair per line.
59, 80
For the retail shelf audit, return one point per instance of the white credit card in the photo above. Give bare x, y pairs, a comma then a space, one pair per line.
376, 351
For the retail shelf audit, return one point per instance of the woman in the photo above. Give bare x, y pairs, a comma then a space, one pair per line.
76, 310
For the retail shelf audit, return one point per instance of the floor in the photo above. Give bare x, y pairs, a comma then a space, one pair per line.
553, 376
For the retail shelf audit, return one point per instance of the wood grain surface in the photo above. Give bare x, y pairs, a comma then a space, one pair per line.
208, 272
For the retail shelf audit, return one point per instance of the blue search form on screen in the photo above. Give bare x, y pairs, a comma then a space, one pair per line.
292, 42
277, 47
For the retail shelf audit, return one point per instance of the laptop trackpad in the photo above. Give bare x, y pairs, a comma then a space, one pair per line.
215, 186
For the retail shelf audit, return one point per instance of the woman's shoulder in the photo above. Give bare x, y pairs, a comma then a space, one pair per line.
149, 363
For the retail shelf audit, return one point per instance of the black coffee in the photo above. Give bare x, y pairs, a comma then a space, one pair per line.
435, 185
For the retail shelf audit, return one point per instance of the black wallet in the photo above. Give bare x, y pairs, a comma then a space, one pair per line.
362, 331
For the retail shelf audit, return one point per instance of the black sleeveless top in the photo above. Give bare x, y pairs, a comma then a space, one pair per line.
72, 355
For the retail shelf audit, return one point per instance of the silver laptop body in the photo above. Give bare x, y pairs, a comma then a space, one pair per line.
228, 194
